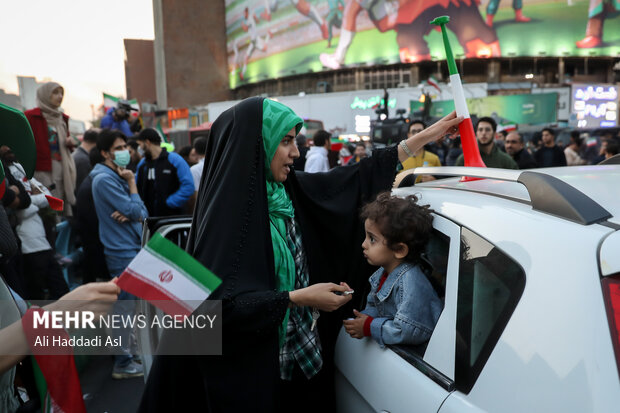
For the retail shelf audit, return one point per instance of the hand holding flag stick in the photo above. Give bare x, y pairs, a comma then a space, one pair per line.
56, 204
447, 125
466, 129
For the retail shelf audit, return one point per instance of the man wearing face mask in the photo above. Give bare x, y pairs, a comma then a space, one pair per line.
164, 179
120, 212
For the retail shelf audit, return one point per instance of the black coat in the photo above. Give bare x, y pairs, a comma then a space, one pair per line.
554, 155
524, 159
155, 192
230, 235
87, 228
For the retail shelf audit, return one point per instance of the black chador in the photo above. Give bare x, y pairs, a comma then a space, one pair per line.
230, 235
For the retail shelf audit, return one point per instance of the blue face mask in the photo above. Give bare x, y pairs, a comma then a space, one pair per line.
121, 158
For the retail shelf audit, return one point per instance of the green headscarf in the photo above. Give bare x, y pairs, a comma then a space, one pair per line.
277, 121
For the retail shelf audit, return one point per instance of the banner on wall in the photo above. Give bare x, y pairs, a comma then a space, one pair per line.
269, 39
533, 109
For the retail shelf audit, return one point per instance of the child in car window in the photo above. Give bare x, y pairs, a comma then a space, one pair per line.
402, 306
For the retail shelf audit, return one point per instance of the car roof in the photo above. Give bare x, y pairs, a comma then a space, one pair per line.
585, 194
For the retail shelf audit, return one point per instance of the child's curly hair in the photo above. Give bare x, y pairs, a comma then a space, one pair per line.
401, 220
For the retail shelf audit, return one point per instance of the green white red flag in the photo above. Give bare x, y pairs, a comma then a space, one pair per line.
56, 375
110, 101
168, 277
471, 153
434, 83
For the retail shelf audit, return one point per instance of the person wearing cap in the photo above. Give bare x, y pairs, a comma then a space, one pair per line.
164, 179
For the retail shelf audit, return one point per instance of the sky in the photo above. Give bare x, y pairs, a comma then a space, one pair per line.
77, 43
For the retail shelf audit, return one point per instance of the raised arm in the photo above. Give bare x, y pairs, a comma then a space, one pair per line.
447, 124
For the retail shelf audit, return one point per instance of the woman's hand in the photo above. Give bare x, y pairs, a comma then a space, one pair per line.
446, 125
97, 297
321, 296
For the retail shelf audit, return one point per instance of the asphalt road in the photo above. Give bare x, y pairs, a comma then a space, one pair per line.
103, 394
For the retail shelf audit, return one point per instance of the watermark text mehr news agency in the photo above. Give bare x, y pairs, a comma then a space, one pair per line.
86, 319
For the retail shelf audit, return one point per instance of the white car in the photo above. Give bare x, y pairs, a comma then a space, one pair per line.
528, 265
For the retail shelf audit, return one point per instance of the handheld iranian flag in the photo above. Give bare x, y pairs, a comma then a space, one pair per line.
466, 129
168, 277
433, 82
110, 101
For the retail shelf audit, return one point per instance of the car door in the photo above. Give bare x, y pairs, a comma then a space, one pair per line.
405, 378
490, 285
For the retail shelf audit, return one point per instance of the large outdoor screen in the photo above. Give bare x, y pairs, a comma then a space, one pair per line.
274, 38
595, 106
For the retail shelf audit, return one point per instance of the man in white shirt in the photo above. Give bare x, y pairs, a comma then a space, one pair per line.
316, 158
200, 146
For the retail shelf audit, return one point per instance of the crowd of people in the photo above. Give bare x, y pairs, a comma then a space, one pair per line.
111, 182
498, 149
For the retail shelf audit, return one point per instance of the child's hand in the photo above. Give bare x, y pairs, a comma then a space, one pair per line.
355, 327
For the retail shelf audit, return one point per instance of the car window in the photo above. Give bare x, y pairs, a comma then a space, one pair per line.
177, 234
435, 259
434, 265
490, 285
175, 229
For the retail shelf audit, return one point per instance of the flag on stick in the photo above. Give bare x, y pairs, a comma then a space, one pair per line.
161, 131
55, 374
168, 277
56, 204
466, 129
110, 101
433, 82
165, 143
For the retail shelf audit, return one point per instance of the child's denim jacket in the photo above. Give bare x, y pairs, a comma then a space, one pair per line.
406, 308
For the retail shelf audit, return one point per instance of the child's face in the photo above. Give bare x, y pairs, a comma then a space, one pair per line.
375, 248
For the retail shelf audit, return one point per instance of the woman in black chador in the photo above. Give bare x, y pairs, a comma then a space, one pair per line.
282, 242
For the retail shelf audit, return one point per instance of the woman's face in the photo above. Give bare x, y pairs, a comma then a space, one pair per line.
286, 153
57, 95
